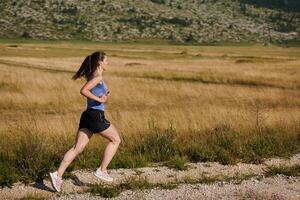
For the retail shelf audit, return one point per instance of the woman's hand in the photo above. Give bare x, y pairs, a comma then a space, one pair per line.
103, 98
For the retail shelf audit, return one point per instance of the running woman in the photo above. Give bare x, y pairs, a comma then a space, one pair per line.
92, 120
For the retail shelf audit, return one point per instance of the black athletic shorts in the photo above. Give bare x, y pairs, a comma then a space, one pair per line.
94, 120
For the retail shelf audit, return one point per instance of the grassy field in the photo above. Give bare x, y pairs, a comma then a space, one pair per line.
170, 103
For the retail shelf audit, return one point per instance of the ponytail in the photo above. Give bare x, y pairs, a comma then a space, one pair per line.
89, 65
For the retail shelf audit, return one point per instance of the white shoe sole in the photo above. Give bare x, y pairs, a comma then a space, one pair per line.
52, 182
102, 178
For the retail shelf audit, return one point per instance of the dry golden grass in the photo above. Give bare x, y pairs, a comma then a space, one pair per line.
192, 88
191, 92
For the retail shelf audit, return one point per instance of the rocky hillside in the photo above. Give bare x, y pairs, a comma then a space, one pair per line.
182, 21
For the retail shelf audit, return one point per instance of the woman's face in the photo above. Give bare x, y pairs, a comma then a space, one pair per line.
103, 63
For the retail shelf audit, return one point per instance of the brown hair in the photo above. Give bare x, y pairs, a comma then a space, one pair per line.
89, 65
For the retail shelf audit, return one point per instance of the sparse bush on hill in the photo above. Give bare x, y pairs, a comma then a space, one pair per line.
290, 5
159, 1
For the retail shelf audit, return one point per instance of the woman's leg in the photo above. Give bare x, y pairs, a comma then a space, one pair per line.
83, 137
114, 140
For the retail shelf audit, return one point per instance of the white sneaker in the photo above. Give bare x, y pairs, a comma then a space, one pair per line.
103, 175
56, 181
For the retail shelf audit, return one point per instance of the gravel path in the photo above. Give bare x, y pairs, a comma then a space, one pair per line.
278, 187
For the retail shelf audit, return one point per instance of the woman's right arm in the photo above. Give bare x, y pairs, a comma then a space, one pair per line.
85, 90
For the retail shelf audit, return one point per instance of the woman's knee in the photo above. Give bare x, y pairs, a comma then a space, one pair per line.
112, 135
118, 140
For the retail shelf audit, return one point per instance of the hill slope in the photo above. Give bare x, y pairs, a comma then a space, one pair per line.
183, 21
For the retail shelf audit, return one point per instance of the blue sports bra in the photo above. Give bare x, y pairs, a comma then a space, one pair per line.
99, 90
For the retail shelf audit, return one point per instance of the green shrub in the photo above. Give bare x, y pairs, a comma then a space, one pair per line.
32, 156
200, 153
127, 160
224, 142
136, 184
104, 191
264, 145
157, 144
285, 170
178, 162
8, 174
